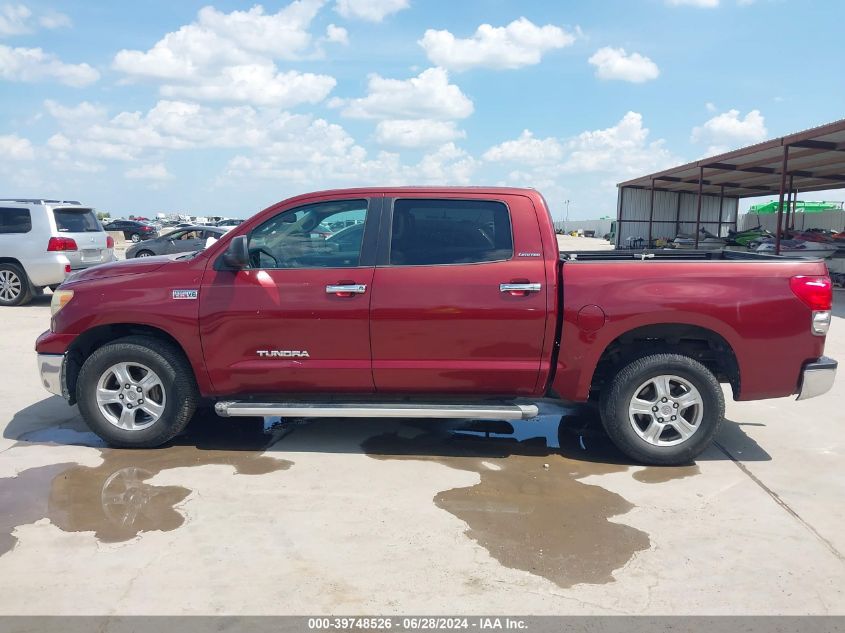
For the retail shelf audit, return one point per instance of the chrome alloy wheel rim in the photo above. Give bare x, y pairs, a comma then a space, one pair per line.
666, 410
130, 396
10, 285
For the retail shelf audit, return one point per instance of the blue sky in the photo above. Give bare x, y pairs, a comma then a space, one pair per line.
225, 108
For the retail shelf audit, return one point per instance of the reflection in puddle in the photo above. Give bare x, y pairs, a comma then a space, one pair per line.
530, 510
115, 499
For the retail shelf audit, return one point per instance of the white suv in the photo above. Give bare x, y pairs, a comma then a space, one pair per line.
42, 241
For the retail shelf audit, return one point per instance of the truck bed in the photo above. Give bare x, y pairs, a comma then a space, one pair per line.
667, 254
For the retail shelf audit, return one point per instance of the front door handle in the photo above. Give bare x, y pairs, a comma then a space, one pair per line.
520, 287
346, 290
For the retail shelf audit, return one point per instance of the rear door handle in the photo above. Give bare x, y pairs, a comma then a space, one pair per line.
520, 287
345, 290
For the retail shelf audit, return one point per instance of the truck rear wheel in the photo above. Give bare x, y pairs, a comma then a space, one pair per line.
663, 409
136, 392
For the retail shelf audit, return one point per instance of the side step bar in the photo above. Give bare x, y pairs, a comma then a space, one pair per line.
376, 410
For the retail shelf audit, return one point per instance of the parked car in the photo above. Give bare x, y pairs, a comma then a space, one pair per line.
133, 230
42, 241
179, 241
450, 302
229, 222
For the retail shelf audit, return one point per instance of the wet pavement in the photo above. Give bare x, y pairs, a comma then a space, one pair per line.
115, 500
394, 516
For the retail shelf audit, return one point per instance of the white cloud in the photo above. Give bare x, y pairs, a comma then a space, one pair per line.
256, 83
426, 96
526, 149
700, 4
729, 130
370, 10
615, 63
230, 57
77, 114
413, 133
33, 64
337, 34
14, 19
55, 20
14, 147
623, 150
448, 164
88, 132
154, 171
520, 43
17, 19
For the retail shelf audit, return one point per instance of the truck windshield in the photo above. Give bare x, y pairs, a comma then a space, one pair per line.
76, 221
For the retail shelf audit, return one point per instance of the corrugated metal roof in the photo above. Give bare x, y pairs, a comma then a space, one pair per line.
816, 161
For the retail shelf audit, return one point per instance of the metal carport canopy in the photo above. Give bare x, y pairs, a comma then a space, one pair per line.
811, 160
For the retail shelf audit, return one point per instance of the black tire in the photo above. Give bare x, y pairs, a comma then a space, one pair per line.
176, 376
144, 253
18, 291
135, 238
619, 393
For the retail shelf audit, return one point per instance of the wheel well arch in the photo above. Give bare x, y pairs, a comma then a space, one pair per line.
10, 260
91, 340
706, 346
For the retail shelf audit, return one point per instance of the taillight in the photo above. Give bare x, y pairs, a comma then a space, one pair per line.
109, 241
146, 228
815, 292
61, 244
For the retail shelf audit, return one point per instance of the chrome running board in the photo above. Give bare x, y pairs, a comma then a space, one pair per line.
376, 410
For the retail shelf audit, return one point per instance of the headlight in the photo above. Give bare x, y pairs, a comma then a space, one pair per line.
60, 300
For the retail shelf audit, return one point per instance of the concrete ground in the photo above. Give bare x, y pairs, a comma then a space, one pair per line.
570, 243
386, 517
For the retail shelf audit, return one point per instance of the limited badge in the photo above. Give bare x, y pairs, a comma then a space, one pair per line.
185, 294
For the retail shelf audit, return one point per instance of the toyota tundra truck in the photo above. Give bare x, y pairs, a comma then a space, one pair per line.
434, 303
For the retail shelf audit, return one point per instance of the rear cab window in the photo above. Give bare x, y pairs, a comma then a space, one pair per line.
15, 220
435, 232
76, 221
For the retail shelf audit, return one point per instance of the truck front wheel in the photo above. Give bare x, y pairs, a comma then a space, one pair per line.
136, 392
663, 409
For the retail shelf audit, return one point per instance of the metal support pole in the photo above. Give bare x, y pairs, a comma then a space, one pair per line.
650, 214
795, 208
698, 212
783, 167
721, 207
678, 213
788, 204
619, 216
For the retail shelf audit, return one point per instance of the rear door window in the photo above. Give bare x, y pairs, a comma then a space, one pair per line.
432, 232
15, 220
76, 221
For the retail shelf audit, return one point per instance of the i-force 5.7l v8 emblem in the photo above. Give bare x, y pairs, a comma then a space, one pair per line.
282, 353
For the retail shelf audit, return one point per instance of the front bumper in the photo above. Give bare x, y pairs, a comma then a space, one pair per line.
817, 378
50, 367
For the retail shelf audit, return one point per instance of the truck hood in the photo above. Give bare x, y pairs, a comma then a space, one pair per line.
138, 266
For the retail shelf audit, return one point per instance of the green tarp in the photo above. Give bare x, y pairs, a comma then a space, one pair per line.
800, 207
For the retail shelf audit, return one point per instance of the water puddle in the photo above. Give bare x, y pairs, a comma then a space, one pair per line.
530, 510
115, 500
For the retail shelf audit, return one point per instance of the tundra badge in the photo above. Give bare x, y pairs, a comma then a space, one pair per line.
282, 353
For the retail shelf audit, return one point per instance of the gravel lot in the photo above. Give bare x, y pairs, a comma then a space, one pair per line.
375, 516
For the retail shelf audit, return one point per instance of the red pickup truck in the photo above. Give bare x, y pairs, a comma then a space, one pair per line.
433, 302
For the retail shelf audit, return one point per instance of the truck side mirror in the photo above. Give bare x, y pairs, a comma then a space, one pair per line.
236, 256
